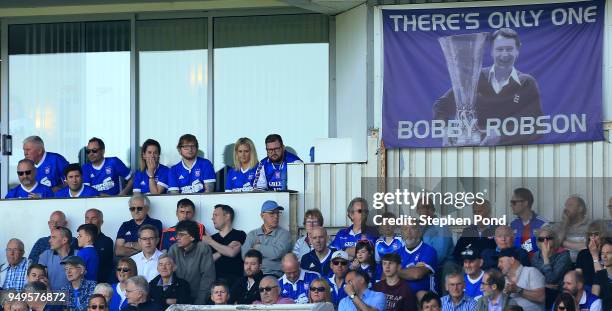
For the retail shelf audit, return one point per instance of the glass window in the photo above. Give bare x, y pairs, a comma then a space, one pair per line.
173, 82
271, 76
68, 83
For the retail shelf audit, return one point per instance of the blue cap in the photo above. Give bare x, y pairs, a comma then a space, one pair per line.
269, 206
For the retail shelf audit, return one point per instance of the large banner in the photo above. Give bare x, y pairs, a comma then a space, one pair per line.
498, 75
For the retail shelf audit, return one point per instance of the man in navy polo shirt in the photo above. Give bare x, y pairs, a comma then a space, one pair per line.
28, 187
50, 166
76, 188
319, 259
104, 173
126, 243
271, 172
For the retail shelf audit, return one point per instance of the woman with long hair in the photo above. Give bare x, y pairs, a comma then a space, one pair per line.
364, 260
565, 302
240, 177
319, 291
97, 302
153, 176
126, 268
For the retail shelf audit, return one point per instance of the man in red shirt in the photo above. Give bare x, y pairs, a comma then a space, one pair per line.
397, 293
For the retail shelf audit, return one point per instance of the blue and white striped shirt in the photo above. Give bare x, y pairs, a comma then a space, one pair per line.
465, 304
16, 276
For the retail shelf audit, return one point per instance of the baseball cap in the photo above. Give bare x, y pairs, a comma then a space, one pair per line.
73, 260
508, 252
269, 206
340, 254
470, 253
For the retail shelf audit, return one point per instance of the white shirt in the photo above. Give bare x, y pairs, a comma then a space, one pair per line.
499, 85
147, 267
595, 306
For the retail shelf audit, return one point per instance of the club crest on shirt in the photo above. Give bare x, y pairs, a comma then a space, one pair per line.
516, 98
109, 170
277, 174
197, 173
47, 170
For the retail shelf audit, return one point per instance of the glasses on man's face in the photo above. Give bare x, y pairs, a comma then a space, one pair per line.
137, 208
339, 262
514, 202
27, 173
96, 307
120, 269
88, 151
267, 289
545, 238
273, 150
317, 289
312, 222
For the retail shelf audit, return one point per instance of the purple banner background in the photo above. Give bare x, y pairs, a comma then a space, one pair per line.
565, 60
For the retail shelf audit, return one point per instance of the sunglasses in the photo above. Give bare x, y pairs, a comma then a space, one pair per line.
137, 208
317, 289
123, 269
266, 289
358, 211
545, 238
562, 308
88, 151
339, 262
21, 173
96, 307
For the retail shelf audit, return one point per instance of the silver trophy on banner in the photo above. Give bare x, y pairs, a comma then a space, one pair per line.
463, 54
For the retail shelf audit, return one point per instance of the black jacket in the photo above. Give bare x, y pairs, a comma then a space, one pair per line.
147, 306
179, 290
239, 293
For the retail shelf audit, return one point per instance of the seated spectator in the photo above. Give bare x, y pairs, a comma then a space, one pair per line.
194, 260
104, 174
504, 238
573, 227
609, 222
270, 292
456, 298
346, 239
364, 261
431, 302
526, 222
552, 260
106, 290
246, 290
602, 285
480, 236
319, 291
220, 293
153, 176
226, 244
388, 242
185, 210
318, 260
86, 234
52, 258
565, 302
28, 187
272, 170
167, 289
16, 268
438, 237
146, 261
240, 177
103, 245
295, 282
418, 262
79, 289
359, 297
49, 164
38, 304
312, 218
37, 273
589, 259
137, 292
126, 268
473, 274
523, 284
57, 219
97, 302
573, 283
397, 293
74, 182
126, 243
193, 174
270, 239
18, 306
493, 298
339, 266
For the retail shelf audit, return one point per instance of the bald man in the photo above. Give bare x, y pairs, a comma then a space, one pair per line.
57, 219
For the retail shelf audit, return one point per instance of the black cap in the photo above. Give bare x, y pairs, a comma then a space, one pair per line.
509, 252
73, 260
470, 253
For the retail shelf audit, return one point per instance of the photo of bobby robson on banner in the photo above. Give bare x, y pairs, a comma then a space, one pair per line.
489, 76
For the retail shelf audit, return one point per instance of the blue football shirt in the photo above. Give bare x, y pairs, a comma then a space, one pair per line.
86, 191
422, 255
191, 180
20, 192
271, 176
239, 181
141, 179
50, 169
105, 178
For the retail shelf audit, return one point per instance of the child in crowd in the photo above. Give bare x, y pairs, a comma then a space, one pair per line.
87, 235
364, 260
388, 242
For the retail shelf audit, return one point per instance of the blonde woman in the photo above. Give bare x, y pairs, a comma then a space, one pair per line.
240, 177
319, 291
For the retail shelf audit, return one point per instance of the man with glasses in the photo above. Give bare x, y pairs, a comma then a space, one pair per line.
79, 289
126, 243
295, 282
318, 260
194, 260
137, 293
339, 266
56, 219
146, 261
75, 187
104, 174
271, 172
246, 290
359, 297
473, 274
398, 294
193, 174
167, 289
493, 298
346, 239
270, 239
50, 165
185, 210
13, 273
270, 293
456, 300
28, 187
526, 222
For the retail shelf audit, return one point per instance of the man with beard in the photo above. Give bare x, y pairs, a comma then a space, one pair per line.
573, 283
28, 187
524, 284
493, 297
271, 172
246, 290
193, 174
419, 262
